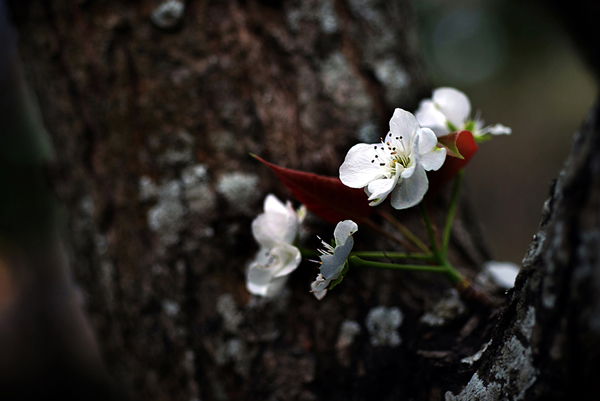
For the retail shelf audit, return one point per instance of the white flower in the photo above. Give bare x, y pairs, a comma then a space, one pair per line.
275, 230
449, 110
397, 165
333, 259
503, 273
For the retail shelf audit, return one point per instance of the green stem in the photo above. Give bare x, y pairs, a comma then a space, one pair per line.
394, 255
431, 233
404, 231
451, 212
358, 262
452, 275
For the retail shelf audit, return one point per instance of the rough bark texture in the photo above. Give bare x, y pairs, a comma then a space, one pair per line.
152, 120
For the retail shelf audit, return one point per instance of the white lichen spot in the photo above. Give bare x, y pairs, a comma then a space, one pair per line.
393, 77
528, 322
88, 205
240, 190
344, 87
382, 324
446, 309
197, 192
189, 361
349, 329
513, 373
229, 312
168, 15
368, 132
234, 350
223, 141
328, 18
476, 356
170, 307
476, 390
101, 244
147, 188
181, 151
166, 217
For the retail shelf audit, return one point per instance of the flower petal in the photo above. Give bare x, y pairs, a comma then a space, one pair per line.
358, 170
289, 256
332, 265
379, 189
429, 116
453, 104
343, 231
403, 124
430, 156
410, 191
376, 201
319, 287
270, 229
260, 280
274, 205
503, 273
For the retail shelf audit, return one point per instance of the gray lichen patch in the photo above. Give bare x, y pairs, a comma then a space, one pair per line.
170, 307
240, 190
166, 217
147, 189
349, 329
514, 372
445, 310
168, 15
180, 152
382, 324
476, 356
197, 191
395, 79
227, 308
234, 351
345, 88
328, 18
223, 141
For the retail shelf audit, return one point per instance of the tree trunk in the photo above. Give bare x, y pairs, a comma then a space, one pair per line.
153, 115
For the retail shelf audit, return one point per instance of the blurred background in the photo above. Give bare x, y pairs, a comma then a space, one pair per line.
519, 68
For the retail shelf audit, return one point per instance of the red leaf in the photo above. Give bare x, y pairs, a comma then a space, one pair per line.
325, 196
437, 179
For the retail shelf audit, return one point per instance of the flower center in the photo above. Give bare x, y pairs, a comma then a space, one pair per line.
392, 155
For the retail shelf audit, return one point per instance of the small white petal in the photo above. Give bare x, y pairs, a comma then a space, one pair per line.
429, 116
503, 273
403, 124
410, 191
260, 280
270, 229
290, 258
453, 104
499, 129
376, 201
319, 287
379, 189
332, 265
344, 230
431, 157
358, 170
274, 205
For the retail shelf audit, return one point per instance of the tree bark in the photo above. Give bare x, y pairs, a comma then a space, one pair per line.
153, 116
